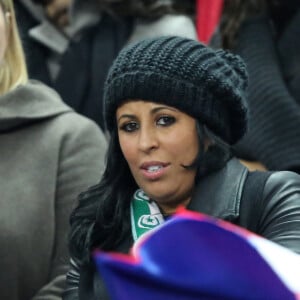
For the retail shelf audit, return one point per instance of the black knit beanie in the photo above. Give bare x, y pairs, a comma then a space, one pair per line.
207, 84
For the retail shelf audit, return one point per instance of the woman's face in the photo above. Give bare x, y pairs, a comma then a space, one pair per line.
158, 141
3, 34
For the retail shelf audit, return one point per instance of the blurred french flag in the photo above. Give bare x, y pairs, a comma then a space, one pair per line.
193, 256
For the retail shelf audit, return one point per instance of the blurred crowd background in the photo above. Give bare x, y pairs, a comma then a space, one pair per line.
59, 143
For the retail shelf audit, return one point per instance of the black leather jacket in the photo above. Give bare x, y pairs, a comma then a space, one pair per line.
267, 203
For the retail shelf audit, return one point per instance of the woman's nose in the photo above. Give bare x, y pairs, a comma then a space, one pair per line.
148, 139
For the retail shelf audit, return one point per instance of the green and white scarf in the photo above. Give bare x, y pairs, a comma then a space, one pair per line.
145, 214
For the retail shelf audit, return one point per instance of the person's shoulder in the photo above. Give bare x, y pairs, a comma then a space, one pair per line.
284, 178
76, 124
46, 105
74, 120
282, 184
273, 187
50, 105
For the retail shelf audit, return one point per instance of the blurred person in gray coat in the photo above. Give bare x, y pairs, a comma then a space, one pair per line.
48, 155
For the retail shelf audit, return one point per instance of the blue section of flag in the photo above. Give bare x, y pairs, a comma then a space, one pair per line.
189, 258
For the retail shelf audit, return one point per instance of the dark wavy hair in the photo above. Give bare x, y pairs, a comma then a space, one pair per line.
102, 217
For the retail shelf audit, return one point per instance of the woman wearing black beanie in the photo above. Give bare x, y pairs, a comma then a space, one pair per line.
173, 107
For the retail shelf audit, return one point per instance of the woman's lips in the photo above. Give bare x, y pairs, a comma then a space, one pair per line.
153, 170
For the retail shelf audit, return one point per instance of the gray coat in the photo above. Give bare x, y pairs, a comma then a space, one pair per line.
48, 155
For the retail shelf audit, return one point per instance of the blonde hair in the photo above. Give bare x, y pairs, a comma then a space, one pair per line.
13, 71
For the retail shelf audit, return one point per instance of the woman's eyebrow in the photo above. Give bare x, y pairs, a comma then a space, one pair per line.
158, 108
126, 116
153, 111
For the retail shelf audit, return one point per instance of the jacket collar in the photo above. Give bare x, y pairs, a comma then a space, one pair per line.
219, 194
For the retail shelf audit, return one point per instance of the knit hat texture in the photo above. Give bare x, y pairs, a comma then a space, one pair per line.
210, 85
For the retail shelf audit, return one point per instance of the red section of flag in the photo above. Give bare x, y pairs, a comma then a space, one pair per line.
207, 19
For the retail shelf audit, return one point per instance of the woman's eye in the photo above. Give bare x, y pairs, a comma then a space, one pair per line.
129, 127
165, 120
